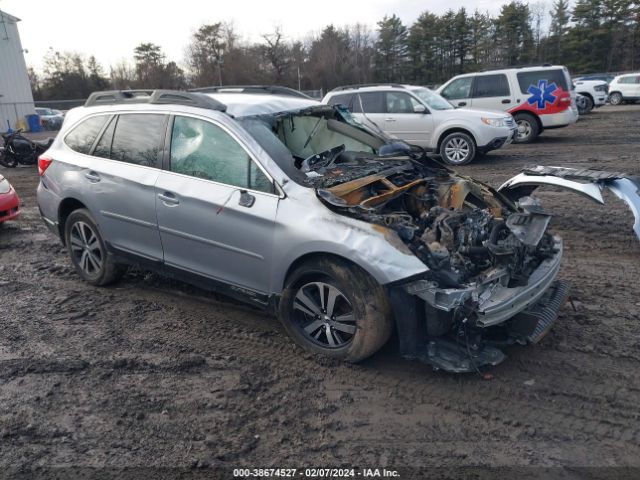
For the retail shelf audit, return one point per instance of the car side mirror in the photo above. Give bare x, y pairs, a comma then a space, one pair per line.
419, 109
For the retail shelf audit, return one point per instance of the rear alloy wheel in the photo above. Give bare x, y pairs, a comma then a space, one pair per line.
615, 98
528, 128
87, 250
334, 308
457, 148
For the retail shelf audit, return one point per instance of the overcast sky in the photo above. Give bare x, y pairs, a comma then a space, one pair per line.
112, 30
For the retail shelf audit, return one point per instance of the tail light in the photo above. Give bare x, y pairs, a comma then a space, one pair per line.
43, 163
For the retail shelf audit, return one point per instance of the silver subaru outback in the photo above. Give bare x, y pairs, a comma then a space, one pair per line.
296, 207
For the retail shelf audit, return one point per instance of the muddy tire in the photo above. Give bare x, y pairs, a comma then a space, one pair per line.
528, 128
457, 148
87, 250
334, 308
615, 98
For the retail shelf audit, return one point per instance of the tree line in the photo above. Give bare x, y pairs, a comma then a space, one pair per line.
590, 36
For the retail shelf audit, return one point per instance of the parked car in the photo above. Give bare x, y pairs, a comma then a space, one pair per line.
298, 208
539, 98
594, 93
9, 201
50, 119
605, 77
624, 88
421, 117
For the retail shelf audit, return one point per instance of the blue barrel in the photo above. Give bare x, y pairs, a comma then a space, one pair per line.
34, 123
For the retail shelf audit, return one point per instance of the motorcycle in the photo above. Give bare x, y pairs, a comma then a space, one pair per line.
19, 150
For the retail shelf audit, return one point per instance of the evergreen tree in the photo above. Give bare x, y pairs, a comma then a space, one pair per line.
391, 50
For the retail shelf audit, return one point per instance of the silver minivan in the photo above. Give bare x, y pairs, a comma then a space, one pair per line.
299, 209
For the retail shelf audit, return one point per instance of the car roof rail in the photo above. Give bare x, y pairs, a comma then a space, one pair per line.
268, 89
154, 97
365, 85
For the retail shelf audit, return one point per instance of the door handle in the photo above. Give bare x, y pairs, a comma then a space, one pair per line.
246, 199
390, 119
462, 104
168, 197
92, 176
506, 100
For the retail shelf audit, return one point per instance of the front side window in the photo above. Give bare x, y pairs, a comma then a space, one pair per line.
81, 138
460, 88
398, 102
138, 139
204, 150
491, 86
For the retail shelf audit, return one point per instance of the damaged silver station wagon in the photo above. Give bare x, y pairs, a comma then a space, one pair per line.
296, 207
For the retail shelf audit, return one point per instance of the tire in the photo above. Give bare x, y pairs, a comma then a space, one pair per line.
87, 250
351, 328
589, 105
457, 148
581, 103
615, 98
528, 128
584, 104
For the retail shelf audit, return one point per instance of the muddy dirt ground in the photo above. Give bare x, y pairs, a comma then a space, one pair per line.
151, 372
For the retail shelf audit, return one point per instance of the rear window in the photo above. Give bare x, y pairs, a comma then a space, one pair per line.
341, 99
533, 78
81, 138
491, 86
370, 102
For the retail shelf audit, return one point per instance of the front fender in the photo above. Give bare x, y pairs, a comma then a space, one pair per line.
306, 226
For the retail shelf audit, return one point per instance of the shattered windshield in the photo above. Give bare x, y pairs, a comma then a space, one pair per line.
432, 99
296, 140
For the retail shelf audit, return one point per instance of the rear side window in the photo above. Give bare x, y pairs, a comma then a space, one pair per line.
630, 79
491, 86
204, 150
341, 99
372, 102
460, 88
533, 78
103, 148
138, 139
81, 138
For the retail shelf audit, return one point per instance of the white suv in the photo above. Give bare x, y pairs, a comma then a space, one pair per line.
624, 88
421, 117
594, 93
538, 97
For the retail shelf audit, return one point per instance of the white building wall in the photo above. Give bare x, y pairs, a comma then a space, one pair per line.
16, 101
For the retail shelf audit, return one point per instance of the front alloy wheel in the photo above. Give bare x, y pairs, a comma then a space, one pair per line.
324, 314
457, 149
332, 307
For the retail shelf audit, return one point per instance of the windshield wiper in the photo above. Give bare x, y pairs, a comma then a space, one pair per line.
313, 132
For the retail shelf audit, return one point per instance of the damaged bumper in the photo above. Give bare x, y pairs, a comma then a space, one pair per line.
494, 302
522, 314
587, 182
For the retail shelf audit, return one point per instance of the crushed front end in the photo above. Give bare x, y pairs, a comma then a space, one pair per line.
492, 265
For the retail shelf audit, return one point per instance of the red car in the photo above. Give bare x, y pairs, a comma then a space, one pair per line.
9, 201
